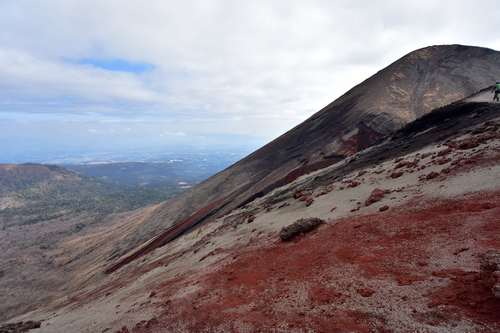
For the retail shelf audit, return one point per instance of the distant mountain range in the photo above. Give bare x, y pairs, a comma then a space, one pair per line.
170, 174
33, 193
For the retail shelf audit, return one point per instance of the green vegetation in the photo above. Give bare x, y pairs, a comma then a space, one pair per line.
70, 195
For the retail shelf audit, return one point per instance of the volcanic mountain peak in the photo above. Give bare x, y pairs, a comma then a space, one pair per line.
408, 88
424, 80
367, 231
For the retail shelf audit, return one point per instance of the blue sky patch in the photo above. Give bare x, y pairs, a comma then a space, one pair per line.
117, 65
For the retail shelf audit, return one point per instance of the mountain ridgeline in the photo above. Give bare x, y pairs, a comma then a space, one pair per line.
400, 93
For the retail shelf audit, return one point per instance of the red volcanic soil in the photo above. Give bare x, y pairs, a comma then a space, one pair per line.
413, 268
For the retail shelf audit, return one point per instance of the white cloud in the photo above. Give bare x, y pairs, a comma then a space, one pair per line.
168, 133
29, 77
255, 67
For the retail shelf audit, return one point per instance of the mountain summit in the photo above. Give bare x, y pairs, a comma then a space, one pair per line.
405, 90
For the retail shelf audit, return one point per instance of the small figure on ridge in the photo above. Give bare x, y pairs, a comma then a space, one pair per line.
497, 92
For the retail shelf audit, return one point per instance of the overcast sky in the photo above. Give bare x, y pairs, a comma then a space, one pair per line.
162, 70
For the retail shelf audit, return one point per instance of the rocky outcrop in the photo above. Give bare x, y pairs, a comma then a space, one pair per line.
490, 266
20, 327
376, 195
299, 227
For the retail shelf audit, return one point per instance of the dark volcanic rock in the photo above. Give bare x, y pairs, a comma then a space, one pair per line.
443, 160
406, 164
432, 175
366, 292
300, 227
20, 327
444, 152
309, 201
353, 183
383, 208
490, 268
396, 174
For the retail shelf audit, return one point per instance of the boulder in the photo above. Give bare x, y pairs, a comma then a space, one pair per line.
383, 208
396, 174
376, 195
299, 227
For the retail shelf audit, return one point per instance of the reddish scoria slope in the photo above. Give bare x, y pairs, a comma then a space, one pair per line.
415, 268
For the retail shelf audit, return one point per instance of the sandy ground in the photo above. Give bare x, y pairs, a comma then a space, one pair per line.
484, 96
